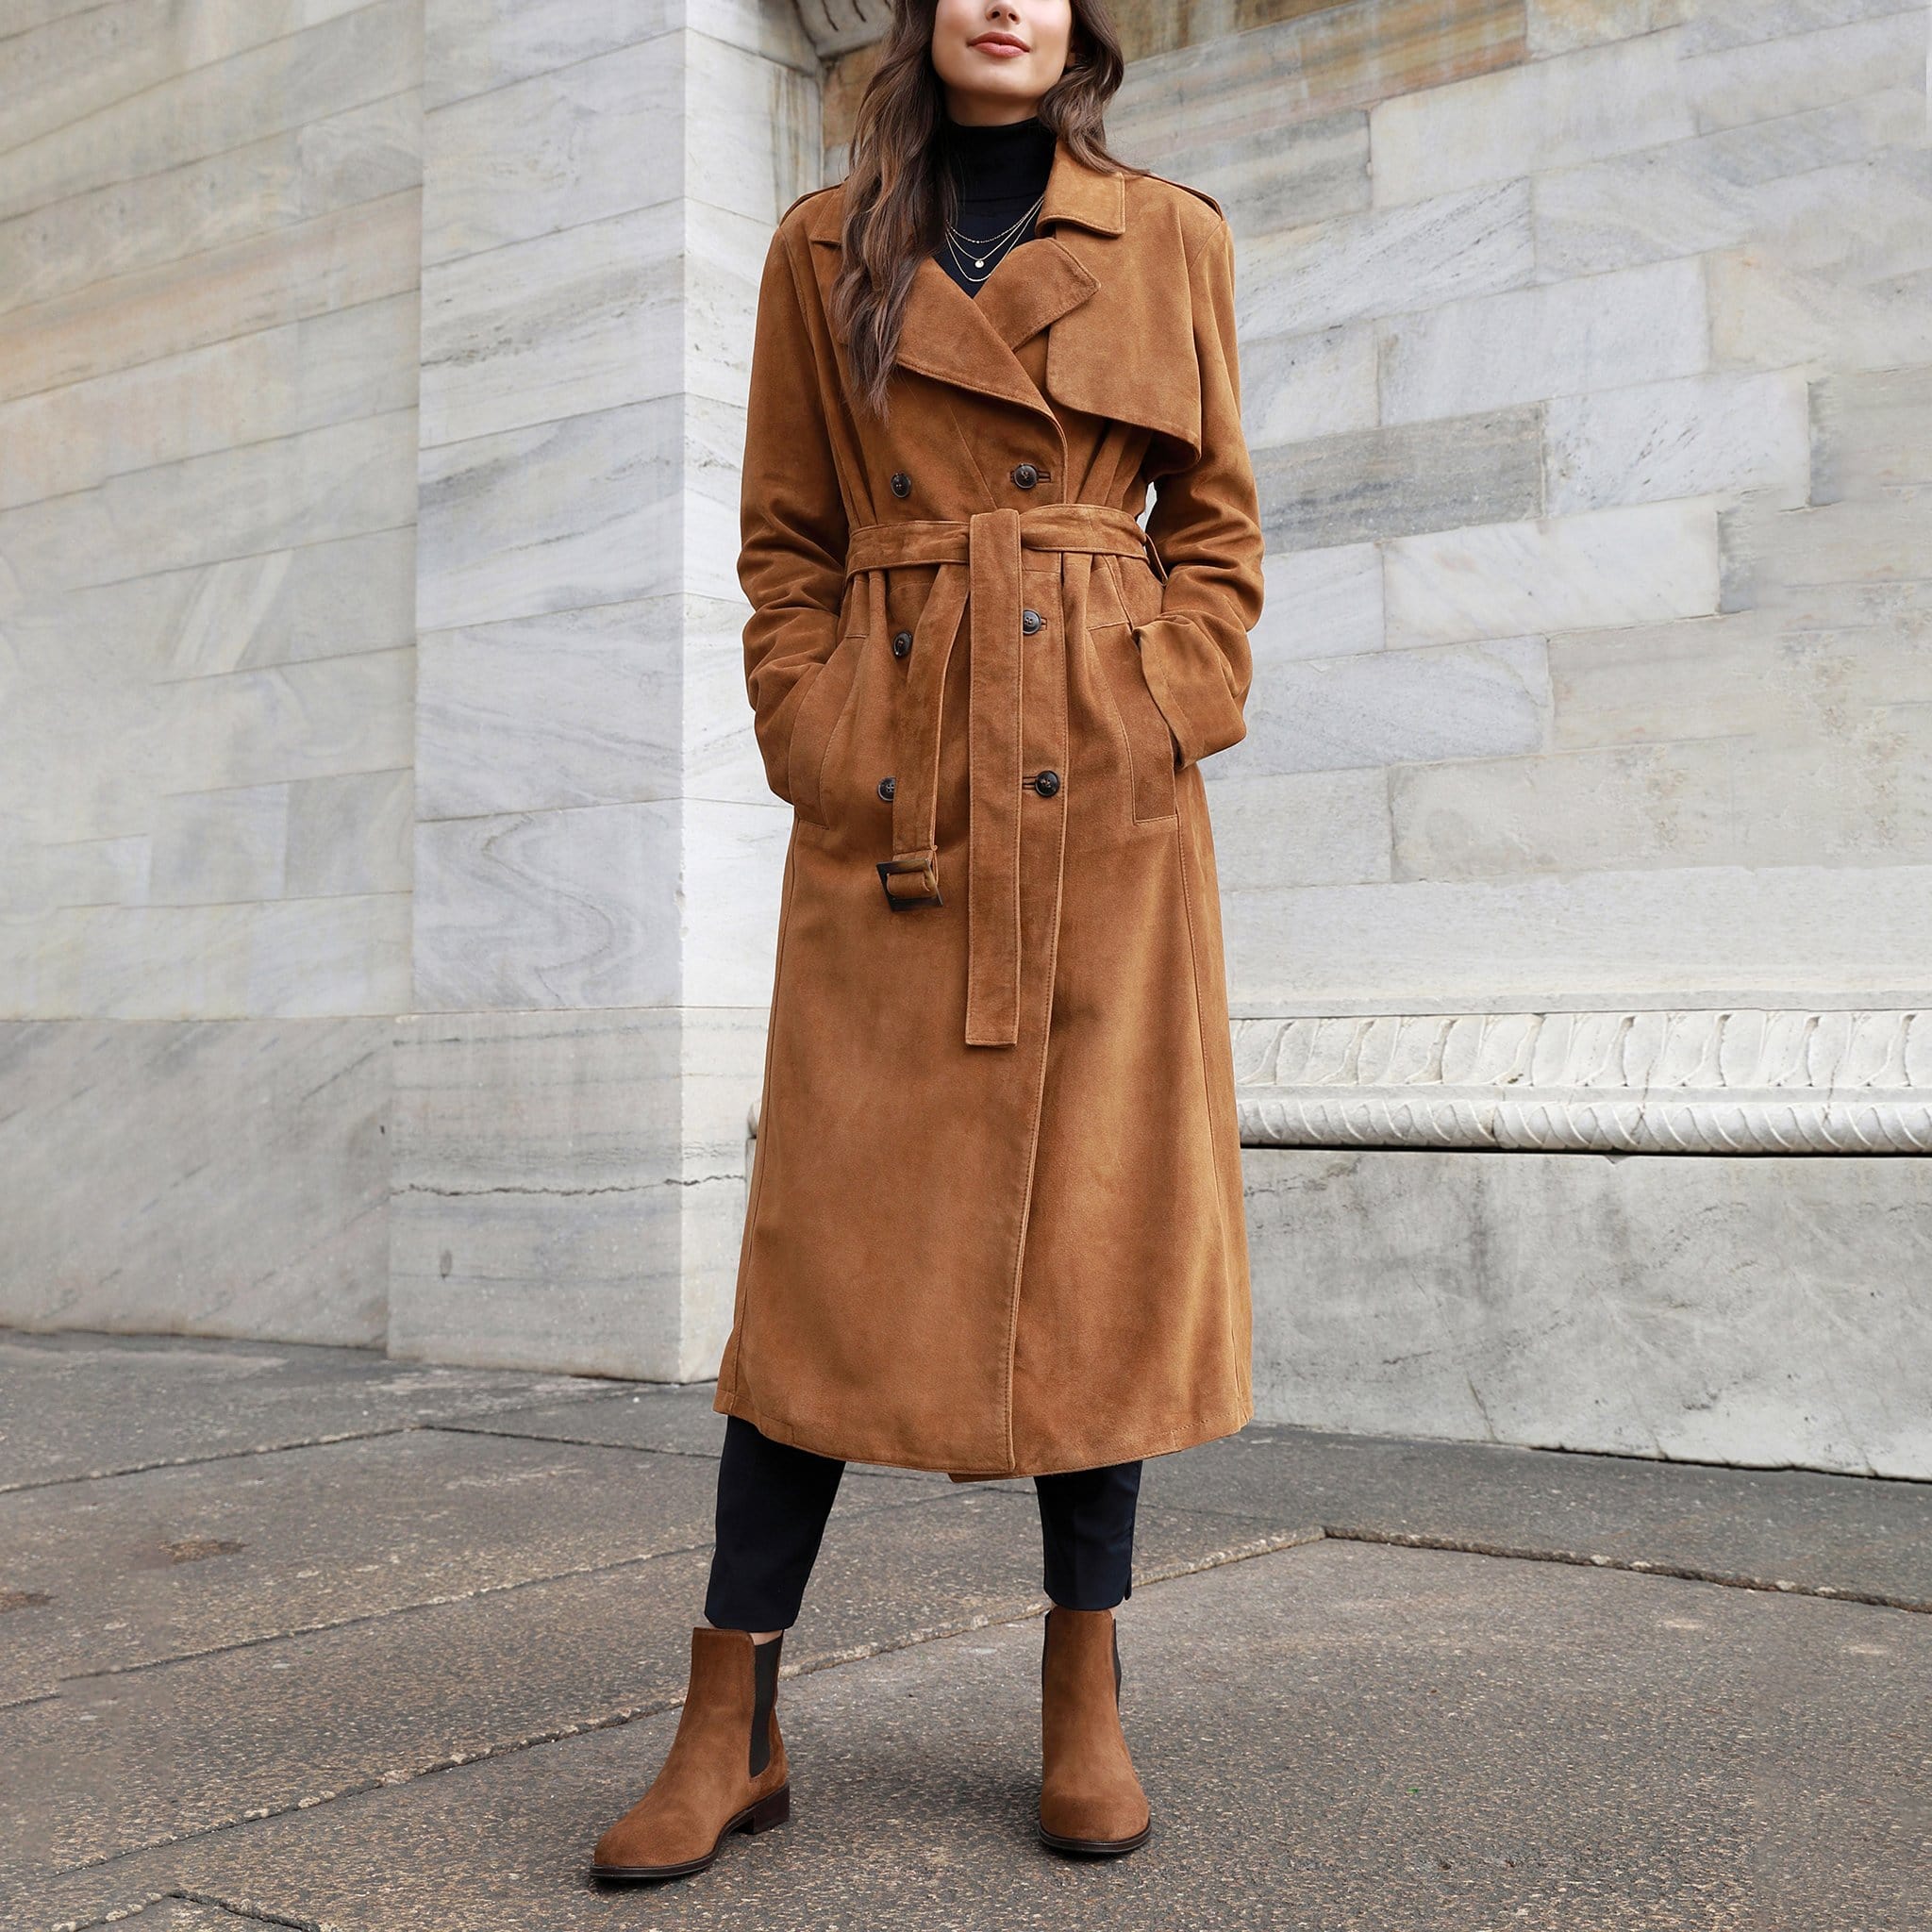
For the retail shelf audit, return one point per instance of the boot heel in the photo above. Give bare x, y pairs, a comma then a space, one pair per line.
774, 1809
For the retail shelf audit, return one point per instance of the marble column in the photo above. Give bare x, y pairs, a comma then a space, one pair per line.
597, 857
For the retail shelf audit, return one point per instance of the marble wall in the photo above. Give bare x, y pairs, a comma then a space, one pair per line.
209, 230
597, 858
388, 882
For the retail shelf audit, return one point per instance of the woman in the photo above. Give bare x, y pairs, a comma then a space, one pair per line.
995, 1221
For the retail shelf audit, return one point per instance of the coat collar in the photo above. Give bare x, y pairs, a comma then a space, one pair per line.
1080, 279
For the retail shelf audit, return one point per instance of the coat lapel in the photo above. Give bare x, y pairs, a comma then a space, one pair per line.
1115, 310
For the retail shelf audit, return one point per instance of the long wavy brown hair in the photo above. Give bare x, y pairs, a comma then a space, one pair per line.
900, 190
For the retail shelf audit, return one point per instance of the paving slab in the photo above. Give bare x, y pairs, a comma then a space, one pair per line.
1864, 1537
78, 1406
1341, 1735
135, 1758
678, 1419
179, 1561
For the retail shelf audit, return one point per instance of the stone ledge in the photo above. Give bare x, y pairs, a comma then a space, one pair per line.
1719, 1081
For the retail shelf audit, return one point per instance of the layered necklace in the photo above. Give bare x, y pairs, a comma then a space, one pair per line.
986, 255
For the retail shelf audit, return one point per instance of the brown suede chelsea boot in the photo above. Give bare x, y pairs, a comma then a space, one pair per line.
726, 1770
1090, 1798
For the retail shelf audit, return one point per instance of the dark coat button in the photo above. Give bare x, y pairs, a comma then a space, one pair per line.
1030, 620
1047, 784
1025, 476
901, 483
902, 644
885, 788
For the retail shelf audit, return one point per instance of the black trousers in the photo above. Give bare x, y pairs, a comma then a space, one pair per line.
774, 1499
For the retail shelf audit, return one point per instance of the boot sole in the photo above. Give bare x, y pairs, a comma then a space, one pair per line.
1095, 1847
774, 1807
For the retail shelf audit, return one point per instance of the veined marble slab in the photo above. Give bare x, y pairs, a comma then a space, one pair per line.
220, 1177
1751, 1309
1764, 315
1763, 79
1870, 432
193, 111
1688, 935
1386, 262
1604, 332
236, 197
1321, 603
572, 1186
1697, 436
1388, 708
1549, 114
1635, 565
352, 255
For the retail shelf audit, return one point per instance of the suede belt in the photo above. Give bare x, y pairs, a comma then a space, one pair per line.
980, 559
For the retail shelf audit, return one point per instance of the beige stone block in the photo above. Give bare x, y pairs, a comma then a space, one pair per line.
1393, 260
1885, 537
1832, 190
584, 510
191, 111
1295, 388
63, 62
345, 479
1860, 795
321, 719
1561, 339
1560, 26
476, 46
317, 372
1306, 170
549, 908
1740, 675
571, 1187
1301, 828
1764, 315
1392, 707
215, 847
332, 599
1763, 80
567, 707
1694, 437
1755, 1310
1320, 604
1796, 935
249, 1167
1549, 114
1278, 62
227, 201
334, 261
556, 325
1636, 565
351, 835
1871, 432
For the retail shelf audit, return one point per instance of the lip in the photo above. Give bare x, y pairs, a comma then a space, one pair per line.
1002, 44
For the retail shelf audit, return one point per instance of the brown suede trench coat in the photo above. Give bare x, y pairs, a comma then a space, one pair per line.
995, 1221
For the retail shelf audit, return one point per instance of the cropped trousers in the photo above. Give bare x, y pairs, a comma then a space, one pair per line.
774, 1499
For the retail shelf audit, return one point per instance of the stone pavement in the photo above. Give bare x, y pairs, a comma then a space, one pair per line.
305, 1636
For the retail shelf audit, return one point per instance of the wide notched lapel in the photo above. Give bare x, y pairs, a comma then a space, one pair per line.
1119, 341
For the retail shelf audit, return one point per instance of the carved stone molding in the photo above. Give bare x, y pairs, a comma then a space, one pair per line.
1736, 1081
836, 27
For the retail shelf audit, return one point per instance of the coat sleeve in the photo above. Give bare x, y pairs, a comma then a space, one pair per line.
792, 516
1206, 527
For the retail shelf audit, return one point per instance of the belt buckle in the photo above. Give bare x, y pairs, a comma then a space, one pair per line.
888, 866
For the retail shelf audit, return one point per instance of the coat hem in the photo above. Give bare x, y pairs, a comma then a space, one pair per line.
1227, 1420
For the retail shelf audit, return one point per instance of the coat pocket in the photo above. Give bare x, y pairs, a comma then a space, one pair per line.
811, 730
1152, 746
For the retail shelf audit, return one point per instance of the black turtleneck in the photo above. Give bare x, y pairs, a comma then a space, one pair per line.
1001, 172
